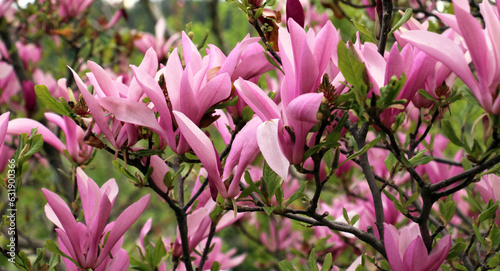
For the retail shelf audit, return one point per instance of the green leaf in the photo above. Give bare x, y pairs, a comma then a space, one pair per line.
346, 216
389, 93
406, 16
159, 252
43, 93
390, 161
489, 211
478, 235
468, 95
352, 68
426, 95
298, 194
52, 247
455, 250
273, 62
286, 266
495, 235
55, 259
354, 219
447, 209
272, 179
251, 184
466, 164
363, 150
279, 196
311, 261
148, 152
492, 170
247, 113
450, 133
215, 266
364, 30
327, 263
269, 210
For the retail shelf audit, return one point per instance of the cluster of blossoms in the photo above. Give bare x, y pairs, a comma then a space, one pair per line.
348, 128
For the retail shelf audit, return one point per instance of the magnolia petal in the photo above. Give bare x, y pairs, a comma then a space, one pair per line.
267, 138
4, 122
104, 80
391, 242
122, 224
22, 125
203, 148
257, 100
446, 51
132, 112
95, 109
68, 223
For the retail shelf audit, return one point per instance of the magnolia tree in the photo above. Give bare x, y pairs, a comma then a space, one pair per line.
313, 148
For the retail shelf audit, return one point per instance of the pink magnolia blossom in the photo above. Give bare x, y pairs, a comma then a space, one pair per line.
191, 90
157, 41
72, 8
78, 151
121, 129
406, 250
483, 46
280, 146
84, 243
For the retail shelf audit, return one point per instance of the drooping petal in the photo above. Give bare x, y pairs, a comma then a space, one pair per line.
446, 51
203, 148
267, 138
257, 100
136, 113
22, 125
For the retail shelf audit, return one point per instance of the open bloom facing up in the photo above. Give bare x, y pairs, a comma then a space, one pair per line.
406, 250
85, 243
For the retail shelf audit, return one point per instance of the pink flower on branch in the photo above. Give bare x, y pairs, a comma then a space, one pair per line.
406, 250
483, 46
94, 244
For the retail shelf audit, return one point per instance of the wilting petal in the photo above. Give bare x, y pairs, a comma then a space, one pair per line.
267, 138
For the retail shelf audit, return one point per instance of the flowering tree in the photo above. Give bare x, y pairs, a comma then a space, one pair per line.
321, 143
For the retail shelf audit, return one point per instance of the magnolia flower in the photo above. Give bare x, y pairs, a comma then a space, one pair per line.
94, 244
72, 8
78, 151
483, 46
157, 41
282, 136
406, 250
